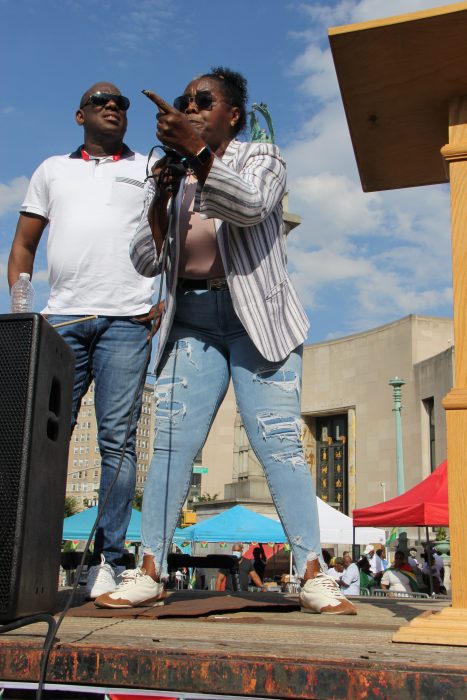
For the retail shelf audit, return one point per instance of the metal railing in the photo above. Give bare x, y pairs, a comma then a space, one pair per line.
383, 593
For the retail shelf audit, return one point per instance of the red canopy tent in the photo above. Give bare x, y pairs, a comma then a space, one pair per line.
424, 504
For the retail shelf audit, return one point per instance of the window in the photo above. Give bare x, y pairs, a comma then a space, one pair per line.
429, 405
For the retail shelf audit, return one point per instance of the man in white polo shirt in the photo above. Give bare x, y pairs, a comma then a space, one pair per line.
92, 200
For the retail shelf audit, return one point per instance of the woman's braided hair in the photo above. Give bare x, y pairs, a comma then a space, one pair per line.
235, 90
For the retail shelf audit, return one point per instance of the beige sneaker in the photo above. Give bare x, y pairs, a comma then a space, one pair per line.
323, 595
137, 589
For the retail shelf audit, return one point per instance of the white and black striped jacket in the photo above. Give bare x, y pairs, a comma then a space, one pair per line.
243, 193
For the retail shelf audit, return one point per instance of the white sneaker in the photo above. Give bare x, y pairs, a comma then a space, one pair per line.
136, 589
323, 595
101, 578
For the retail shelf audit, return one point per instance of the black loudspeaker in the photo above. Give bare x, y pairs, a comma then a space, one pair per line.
36, 387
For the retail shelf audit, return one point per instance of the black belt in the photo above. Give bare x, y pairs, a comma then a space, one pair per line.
217, 284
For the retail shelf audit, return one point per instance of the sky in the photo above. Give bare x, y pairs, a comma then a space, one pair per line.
358, 260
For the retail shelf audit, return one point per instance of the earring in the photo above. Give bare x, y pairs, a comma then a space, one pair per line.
233, 122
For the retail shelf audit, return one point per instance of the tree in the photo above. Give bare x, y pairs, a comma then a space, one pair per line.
71, 506
206, 497
138, 500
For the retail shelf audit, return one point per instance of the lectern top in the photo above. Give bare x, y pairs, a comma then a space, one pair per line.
397, 77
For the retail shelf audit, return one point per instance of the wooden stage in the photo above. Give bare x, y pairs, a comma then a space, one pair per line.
258, 653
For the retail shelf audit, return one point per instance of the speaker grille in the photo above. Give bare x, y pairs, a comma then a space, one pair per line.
15, 359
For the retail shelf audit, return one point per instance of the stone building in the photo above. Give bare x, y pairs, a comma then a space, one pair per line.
348, 421
84, 460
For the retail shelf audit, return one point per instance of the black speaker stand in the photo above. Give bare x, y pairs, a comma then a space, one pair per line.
30, 620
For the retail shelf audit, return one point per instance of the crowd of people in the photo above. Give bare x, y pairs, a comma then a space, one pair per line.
371, 571
405, 575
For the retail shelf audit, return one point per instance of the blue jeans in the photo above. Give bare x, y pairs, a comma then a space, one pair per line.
112, 352
208, 345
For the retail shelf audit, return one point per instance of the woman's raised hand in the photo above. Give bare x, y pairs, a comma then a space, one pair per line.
173, 128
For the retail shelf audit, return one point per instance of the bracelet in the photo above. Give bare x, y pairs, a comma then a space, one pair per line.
201, 158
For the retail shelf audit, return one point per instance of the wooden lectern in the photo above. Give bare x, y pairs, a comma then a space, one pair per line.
403, 82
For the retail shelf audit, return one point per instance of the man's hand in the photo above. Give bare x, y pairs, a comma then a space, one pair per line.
155, 315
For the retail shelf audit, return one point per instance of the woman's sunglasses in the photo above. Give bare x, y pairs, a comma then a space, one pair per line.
100, 99
202, 99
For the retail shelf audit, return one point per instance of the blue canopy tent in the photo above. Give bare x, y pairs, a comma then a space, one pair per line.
78, 527
238, 524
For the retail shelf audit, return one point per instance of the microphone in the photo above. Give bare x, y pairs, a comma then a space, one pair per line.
176, 165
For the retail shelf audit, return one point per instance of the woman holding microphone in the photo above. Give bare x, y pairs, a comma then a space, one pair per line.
231, 312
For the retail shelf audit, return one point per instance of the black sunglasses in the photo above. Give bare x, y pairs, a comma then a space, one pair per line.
202, 99
100, 99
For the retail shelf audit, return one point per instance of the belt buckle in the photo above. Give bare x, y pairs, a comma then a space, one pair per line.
217, 284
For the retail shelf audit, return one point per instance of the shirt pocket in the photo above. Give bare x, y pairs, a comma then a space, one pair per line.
126, 191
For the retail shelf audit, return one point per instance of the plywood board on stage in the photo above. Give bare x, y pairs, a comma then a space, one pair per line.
397, 76
194, 603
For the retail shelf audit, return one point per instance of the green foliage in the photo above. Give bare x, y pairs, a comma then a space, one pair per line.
441, 534
207, 497
71, 506
138, 500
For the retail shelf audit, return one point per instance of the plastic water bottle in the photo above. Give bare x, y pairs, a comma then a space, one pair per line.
22, 294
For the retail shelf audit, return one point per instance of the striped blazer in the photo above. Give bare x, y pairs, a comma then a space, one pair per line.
243, 193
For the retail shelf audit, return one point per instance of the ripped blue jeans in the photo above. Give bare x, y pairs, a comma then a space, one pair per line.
208, 345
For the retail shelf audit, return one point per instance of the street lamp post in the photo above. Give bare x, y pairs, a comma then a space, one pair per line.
383, 486
397, 385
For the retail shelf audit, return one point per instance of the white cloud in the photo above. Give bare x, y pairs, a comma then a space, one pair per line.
12, 194
333, 207
377, 256
143, 24
377, 9
320, 79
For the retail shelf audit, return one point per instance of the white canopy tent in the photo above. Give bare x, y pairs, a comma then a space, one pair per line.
337, 528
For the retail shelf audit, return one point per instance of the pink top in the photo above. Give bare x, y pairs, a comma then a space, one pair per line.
199, 253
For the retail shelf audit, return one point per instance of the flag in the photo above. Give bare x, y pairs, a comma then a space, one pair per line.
192, 581
392, 536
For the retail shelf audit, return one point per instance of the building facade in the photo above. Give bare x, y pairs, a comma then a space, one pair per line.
348, 419
84, 461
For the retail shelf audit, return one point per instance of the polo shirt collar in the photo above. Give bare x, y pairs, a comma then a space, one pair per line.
82, 153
